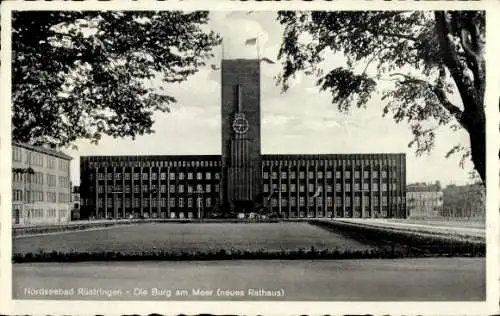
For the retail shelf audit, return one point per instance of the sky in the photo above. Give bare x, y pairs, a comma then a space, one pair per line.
302, 120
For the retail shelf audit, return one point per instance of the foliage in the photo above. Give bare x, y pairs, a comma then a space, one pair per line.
415, 59
85, 74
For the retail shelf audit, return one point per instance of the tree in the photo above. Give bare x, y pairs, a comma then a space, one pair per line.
421, 58
85, 74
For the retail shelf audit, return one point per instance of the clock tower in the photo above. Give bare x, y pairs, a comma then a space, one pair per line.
241, 155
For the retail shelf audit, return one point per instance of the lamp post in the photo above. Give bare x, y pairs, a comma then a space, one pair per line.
198, 201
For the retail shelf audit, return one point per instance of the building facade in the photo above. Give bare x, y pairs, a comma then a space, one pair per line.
40, 186
424, 200
241, 179
75, 203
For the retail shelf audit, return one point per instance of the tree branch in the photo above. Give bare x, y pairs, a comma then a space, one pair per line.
438, 92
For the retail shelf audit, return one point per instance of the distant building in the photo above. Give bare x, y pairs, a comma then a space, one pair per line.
40, 185
424, 200
75, 203
241, 180
465, 201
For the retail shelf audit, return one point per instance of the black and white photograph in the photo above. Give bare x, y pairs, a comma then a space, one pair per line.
279, 155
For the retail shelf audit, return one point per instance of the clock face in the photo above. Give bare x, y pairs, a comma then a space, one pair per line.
240, 125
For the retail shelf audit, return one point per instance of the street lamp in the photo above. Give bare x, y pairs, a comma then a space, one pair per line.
198, 201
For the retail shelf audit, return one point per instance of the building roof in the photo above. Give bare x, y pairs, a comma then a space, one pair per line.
43, 150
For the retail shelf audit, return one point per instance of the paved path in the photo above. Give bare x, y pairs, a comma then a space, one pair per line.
456, 230
430, 279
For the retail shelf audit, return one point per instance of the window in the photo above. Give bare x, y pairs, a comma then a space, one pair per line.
136, 176
375, 186
375, 201
274, 202
145, 189
145, 176
136, 189
208, 188
357, 186
283, 175
329, 174
127, 189
302, 175
127, 202
357, 201
199, 176
217, 176
275, 175
293, 175
293, 187
302, 188
190, 176
163, 176
311, 187
302, 201
384, 186
283, 187
338, 187
181, 188
171, 202
99, 202
190, 202
347, 201
190, 188
284, 202
181, 175
320, 174
208, 175
384, 174
136, 202
338, 201
163, 188
171, 189
375, 174
216, 188
181, 202
118, 176
356, 174
172, 176
145, 202
347, 174
127, 176
311, 174
329, 201
348, 187
266, 187
266, 175
154, 176
365, 186
209, 201
199, 187
366, 174
329, 188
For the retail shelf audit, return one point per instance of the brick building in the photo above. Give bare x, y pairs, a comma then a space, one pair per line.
424, 200
241, 179
40, 185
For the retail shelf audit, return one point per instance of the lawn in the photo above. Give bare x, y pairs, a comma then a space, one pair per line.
190, 237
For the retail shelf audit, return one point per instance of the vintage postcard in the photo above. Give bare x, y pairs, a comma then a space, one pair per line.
249, 158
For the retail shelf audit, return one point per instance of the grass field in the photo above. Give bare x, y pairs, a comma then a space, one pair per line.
189, 237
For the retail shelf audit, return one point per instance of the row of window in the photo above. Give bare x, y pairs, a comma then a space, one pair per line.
34, 158
154, 176
45, 213
391, 161
329, 201
39, 196
139, 164
172, 202
329, 174
38, 178
329, 188
199, 188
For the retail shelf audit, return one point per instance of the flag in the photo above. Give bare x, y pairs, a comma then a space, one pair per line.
251, 41
317, 193
267, 60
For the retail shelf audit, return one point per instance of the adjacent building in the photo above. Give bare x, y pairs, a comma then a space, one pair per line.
40, 185
424, 200
241, 179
